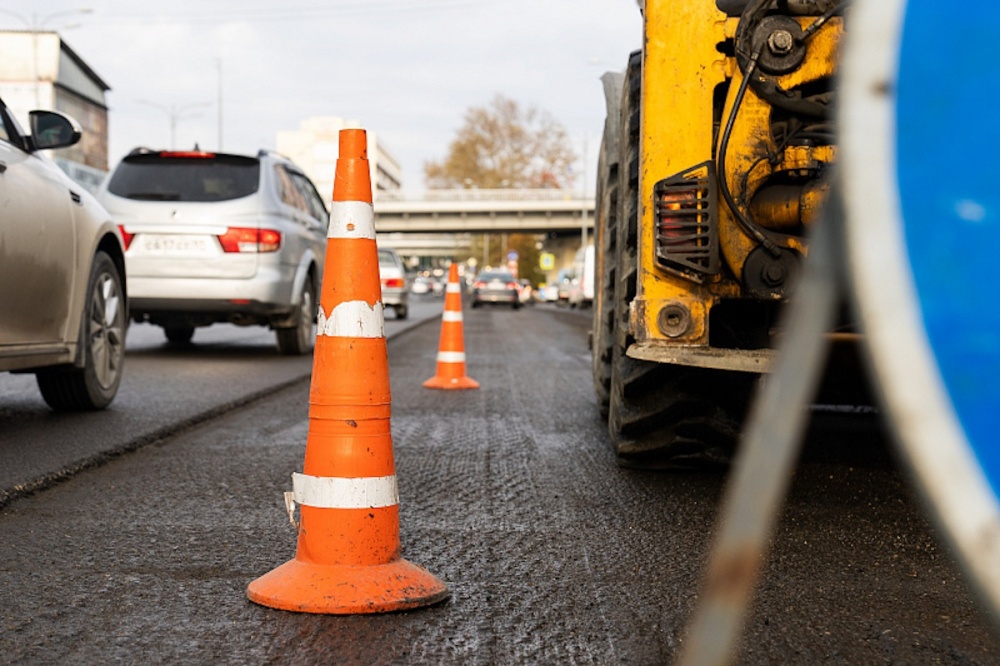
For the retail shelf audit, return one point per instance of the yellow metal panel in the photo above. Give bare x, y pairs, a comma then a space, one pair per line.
681, 68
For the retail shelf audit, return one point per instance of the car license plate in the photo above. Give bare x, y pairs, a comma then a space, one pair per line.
177, 244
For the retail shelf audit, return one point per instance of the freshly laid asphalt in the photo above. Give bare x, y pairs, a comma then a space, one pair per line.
510, 494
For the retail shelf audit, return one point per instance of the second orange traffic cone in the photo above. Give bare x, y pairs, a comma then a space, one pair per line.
348, 557
451, 350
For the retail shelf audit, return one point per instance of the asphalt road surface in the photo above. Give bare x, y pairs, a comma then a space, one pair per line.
165, 389
509, 494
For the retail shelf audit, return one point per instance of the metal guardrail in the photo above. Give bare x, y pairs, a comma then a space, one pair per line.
473, 194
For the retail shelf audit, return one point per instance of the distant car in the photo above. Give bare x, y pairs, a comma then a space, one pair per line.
218, 237
422, 285
548, 293
526, 293
394, 287
492, 287
563, 290
63, 303
440, 283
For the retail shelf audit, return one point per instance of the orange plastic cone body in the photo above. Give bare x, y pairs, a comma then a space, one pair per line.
451, 351
348, 558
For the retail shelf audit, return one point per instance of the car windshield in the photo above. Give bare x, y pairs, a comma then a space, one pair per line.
199, 177
387, 258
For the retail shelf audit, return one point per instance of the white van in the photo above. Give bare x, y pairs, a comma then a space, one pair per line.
582, 292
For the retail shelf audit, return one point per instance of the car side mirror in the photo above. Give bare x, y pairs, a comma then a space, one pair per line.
52, 130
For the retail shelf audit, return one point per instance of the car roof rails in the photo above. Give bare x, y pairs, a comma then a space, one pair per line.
268, 152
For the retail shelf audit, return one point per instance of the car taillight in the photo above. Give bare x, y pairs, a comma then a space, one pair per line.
242, 239
479, 284
126, 236
187, 154
512, 285
392, 283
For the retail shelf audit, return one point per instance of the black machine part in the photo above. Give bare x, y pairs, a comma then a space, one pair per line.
769, 277
782, 48
793, 7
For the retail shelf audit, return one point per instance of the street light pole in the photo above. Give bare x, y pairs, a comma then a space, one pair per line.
218, 61
175, 113
583, 211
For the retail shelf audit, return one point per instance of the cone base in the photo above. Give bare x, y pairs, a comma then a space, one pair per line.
304, 587
451, 383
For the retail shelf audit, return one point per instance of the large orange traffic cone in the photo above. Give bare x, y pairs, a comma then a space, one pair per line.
348, 556
451, 350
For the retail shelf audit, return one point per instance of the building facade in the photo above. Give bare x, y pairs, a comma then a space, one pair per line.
40, 71
314, 146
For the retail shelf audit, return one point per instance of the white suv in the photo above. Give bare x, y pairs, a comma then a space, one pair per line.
214, 237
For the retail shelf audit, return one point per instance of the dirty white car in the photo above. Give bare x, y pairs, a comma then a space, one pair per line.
63, 304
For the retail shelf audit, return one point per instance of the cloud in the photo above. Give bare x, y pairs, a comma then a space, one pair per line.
407, 69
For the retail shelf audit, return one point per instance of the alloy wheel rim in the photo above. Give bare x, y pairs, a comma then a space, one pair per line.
308, 318
107, 331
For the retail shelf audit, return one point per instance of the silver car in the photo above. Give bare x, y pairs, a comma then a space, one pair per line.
395, 286
217, 237
63, 302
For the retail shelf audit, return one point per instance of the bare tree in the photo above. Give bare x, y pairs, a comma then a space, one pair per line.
503, 146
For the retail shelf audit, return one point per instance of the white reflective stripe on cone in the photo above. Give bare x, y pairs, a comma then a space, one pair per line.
333, 492
353, 319
352, 219
451, 357
451, 315
453, 288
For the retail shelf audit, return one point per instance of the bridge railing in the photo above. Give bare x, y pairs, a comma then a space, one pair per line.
507, 194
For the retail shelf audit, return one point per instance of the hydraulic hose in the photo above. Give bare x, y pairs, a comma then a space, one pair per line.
745, 222
752, 14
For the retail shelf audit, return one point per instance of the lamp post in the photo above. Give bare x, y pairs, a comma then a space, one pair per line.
176, 113
218, 62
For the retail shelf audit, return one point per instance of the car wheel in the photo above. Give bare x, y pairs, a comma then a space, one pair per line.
402, 311
300, 339
102, 337
179, 335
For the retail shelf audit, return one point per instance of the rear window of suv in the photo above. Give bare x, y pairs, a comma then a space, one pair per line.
193, 177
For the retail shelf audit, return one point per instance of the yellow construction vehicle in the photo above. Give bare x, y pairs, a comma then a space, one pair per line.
715, 160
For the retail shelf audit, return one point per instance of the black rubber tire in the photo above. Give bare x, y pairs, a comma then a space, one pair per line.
660, 416
299, 340
178, 335
605, 237
402, 311
102, 337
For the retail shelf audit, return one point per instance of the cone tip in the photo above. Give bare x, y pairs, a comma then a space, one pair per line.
353, 144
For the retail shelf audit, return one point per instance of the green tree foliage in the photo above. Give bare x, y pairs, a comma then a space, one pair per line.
492, 250
503, 145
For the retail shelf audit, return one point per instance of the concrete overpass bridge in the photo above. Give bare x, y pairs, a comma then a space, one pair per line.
440, 223
483, 211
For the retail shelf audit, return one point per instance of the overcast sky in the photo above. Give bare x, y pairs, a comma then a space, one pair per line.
405, 69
